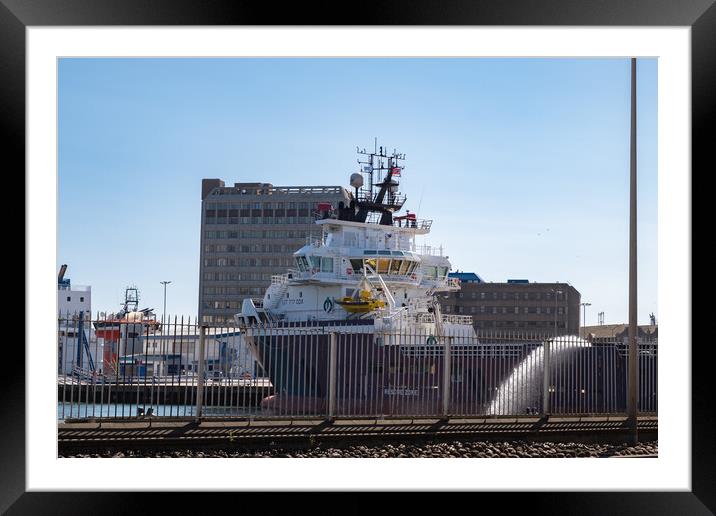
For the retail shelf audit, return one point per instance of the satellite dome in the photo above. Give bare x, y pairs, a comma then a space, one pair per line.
356, 180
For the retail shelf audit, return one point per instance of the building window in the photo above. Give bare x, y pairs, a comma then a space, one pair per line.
82, 299
482, 295
69, 298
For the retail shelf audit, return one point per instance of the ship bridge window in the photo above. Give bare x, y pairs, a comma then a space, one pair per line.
431, 272
315, 262
442, 272
302, 263
404, 266
369, 252
324, 264
382, 265
384, 252
395, 266
350, 239
357, 265
397, 253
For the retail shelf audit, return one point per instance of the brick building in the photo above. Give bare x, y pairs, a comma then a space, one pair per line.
516, 305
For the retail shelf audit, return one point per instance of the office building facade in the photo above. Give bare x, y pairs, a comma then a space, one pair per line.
517, 306
249, 232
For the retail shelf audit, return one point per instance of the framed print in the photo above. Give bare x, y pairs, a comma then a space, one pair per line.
55, 56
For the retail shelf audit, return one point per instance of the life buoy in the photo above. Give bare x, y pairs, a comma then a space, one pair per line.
349, 270
431, 341
412, 277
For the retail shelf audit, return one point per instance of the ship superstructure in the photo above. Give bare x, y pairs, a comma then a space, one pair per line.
364, 242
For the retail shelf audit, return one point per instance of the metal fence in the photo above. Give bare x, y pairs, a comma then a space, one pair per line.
110, 368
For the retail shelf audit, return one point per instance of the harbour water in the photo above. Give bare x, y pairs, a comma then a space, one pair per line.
114, 410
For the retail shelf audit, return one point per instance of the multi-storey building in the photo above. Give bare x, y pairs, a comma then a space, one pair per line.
516, 305
249, 232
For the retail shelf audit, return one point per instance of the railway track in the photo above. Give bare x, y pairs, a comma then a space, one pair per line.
183, 433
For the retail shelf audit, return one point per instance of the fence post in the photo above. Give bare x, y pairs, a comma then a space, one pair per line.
200, 372
545, 378
447, 359
332, 360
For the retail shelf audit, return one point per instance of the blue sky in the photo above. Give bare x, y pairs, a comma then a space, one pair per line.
522, 163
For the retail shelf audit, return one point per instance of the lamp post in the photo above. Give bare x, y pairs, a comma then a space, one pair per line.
584, 318
165, 283
632, 373
555, 291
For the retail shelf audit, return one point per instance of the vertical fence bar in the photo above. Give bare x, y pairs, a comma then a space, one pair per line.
545, 377
200, 379
332, 350
446, 378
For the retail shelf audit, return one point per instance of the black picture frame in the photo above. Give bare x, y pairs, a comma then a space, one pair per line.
700, 15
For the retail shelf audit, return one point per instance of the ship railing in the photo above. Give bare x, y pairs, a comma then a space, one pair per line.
425, 318
280, 279
77, 288
450, 319
429, 250
413, 223
396, 314
453, 282
457, 319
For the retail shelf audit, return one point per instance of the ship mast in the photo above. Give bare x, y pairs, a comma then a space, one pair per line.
380, 194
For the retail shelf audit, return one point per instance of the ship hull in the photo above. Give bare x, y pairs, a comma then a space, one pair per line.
406, 378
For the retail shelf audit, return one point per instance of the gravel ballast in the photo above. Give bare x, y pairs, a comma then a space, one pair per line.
456, 449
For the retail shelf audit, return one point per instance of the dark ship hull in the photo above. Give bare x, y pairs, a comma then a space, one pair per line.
375, 378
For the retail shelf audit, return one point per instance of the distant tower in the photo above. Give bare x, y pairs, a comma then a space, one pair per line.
601, 318
652, 317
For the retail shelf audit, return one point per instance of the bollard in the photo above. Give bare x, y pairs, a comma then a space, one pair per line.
447, 359
545, 379
200, 372
332, 360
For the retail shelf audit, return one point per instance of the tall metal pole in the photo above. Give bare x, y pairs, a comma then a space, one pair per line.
584, 317
631, 397
164, 311
555, 292
555, 313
